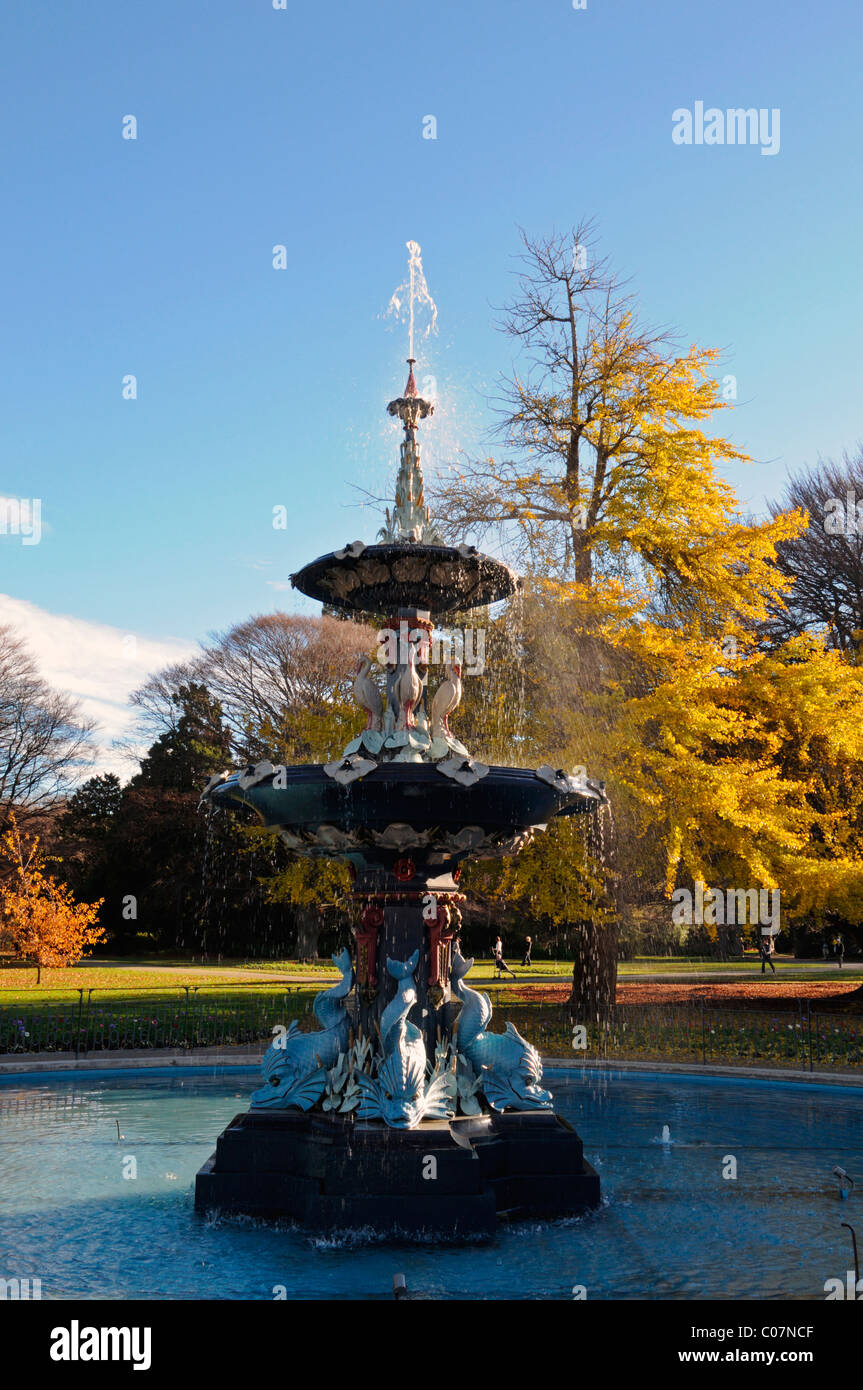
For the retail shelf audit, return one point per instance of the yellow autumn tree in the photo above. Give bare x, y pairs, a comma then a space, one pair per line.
646, 582
605, 471
747, 764
41, 917
729, 762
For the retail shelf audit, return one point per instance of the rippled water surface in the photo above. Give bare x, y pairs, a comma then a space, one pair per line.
671, 1226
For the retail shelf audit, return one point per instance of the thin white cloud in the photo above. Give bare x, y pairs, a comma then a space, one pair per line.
98, 664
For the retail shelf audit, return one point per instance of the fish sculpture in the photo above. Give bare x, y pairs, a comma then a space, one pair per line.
295, 1066
509, 1067
398, 1094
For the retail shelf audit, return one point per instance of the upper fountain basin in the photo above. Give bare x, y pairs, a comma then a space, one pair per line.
383, 578
406, 808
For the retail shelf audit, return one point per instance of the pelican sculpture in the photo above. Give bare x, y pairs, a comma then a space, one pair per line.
408, 690
367, 694
447, 698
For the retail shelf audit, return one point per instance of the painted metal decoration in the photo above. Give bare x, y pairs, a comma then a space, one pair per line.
447, 699
509, 1067
295, 1066
368, 695
410, 519
400, 1094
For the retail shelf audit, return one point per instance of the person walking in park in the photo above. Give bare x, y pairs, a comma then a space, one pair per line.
765, 950
499, 963
528, 947
840, 950
825, 950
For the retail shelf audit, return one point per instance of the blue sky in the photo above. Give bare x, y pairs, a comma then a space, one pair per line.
303, 127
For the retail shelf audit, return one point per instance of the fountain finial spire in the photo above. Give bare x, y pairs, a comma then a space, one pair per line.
410, 519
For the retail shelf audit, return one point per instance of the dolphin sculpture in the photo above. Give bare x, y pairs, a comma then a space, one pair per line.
509, 1067
295, 1066
398, 1094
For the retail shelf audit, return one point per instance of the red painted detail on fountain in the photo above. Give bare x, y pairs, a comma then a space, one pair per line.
371, 921
441, 932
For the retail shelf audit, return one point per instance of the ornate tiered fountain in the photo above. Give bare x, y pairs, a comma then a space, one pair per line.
403, 1112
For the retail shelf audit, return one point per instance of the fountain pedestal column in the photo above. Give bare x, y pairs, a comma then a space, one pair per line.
403, 908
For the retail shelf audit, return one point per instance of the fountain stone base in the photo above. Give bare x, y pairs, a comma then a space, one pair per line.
446, 1179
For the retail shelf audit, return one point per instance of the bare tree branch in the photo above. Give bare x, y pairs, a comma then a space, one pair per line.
44, 740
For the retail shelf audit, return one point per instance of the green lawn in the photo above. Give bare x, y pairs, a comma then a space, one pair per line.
157, 1004
136, 978
150, 979
56, 1000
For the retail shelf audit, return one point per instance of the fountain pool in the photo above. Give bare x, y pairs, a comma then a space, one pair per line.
670, 1226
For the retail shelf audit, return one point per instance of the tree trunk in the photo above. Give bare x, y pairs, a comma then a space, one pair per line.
582, 557
594, 973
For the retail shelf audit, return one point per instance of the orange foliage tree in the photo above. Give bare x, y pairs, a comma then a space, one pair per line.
40, 916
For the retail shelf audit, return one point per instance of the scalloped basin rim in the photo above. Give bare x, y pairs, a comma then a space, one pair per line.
432, 578
505, 799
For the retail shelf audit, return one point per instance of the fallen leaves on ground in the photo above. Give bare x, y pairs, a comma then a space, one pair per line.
753, 994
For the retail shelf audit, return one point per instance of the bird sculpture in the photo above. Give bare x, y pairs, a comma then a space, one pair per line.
447, 698
408, 690
392, 680
367, 694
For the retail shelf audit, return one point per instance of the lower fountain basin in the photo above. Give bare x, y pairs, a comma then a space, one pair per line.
669, 1228
329, 1173
400, 808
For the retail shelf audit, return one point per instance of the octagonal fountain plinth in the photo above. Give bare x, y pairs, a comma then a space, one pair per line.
404, 1112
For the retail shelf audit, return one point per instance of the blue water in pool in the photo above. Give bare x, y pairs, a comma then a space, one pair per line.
671, 1226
